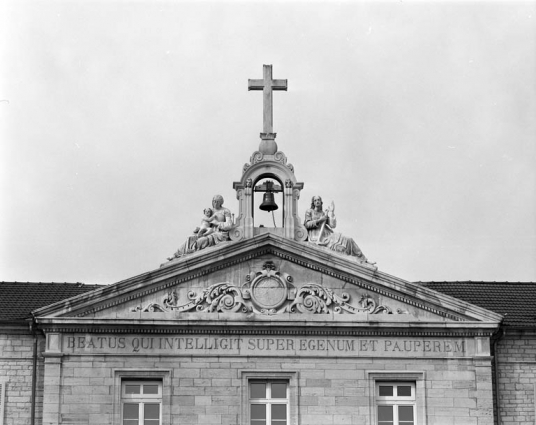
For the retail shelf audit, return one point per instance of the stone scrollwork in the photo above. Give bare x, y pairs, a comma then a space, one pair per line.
221, 297
236, 233
267, 292
258, 156
282, 158
313, 298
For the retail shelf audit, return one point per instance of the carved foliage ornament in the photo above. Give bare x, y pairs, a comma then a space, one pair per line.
268, 292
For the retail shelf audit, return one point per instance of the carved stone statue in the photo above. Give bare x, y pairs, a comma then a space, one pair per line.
320, 225
214, 229
206, 228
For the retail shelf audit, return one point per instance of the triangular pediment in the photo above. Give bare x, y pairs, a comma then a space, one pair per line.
267, 279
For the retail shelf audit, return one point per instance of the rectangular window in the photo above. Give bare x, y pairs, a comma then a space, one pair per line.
395, 403
141, 402
268, 402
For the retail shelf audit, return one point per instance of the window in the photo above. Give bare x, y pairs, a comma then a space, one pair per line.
397, 397
269, 398
395, 402
141, 402
268, 402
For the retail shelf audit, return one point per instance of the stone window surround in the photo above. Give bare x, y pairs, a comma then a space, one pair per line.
376, 376
253, 375
163, 375
3, 386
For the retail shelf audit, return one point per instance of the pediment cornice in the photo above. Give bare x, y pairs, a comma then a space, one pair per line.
224, 324
306, 255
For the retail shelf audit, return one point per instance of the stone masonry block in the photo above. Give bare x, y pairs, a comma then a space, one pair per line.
209, 419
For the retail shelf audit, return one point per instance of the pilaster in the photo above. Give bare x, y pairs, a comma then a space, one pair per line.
52, 381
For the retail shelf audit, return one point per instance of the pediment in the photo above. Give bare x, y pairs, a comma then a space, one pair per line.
267, 279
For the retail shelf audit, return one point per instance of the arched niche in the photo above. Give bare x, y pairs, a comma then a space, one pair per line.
265, 184
275, 167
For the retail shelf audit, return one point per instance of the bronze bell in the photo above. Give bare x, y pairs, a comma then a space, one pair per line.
268, 202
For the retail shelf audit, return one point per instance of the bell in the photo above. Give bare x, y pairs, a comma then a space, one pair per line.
268, 202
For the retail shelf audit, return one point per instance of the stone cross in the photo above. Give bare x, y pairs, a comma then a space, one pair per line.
267, 85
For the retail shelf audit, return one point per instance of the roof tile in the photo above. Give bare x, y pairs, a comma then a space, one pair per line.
516, 301
19, 299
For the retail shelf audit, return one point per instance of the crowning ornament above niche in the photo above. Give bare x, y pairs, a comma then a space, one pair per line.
267, 292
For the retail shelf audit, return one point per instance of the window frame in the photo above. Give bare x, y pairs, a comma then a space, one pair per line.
290, 378
141, 399
396, 400
417, 378
268, 400
162, 376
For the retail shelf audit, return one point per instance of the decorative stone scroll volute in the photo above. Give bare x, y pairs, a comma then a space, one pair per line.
267, 292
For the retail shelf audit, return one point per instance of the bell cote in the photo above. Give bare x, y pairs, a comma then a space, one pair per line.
268, 163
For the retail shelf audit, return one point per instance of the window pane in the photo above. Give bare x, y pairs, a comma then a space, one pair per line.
151, 411
150, 389
386, 391
279, 411
385, 414
279, 390
258, 411
130, 422
130, 411
151, 422
132, 389
405, 414
259, 422
258, 390
403, 391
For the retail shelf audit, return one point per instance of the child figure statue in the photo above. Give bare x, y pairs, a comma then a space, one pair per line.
206, 228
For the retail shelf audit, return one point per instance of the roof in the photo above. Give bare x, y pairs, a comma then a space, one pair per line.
516, 301
19, 299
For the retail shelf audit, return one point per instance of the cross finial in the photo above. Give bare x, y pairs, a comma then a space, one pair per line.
267, 85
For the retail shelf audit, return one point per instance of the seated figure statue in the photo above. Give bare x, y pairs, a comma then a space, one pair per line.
214, 230
320, 225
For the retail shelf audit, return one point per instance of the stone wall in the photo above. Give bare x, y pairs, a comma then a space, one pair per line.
16, 365
208, 389
517, 378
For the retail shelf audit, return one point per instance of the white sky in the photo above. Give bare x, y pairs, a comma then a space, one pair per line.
120, 120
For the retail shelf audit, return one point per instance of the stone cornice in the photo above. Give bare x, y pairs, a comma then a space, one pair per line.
223, 325
306, 255
462, 333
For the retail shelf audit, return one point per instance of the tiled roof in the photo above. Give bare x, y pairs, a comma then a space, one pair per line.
516, 301
19, 299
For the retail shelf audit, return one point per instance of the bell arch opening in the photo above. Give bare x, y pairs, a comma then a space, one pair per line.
268, 203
